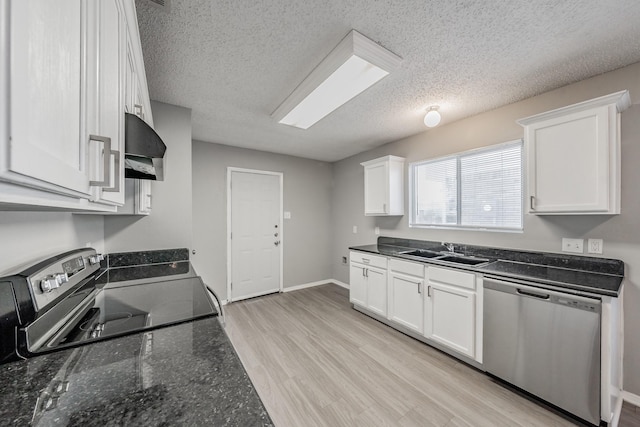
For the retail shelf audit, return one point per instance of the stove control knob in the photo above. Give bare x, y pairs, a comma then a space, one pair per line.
94, 259
54, 281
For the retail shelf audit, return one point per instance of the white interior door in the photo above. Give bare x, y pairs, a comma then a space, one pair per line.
256, 233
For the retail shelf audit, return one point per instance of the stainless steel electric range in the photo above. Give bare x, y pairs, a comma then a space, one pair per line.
69, 300
134, 339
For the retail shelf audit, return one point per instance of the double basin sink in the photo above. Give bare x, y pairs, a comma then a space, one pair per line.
446, 257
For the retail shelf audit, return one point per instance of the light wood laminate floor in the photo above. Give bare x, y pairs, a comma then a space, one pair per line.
315, 361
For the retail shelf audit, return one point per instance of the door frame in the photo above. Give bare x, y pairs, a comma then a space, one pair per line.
280, 175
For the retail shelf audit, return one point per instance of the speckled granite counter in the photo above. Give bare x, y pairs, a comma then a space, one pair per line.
187, 374
600, 276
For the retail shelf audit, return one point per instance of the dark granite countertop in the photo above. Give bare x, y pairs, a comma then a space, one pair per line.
188, 374
599, 276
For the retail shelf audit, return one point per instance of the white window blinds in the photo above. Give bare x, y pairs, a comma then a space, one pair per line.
491, 188
481, 189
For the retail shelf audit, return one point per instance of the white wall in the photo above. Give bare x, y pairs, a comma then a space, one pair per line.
307, 195
30, 236
169, 225
621, 233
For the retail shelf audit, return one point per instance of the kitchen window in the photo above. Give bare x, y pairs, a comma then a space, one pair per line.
479, 189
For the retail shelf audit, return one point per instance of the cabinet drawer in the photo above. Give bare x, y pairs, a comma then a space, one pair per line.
406, 267
369, 259
452, 277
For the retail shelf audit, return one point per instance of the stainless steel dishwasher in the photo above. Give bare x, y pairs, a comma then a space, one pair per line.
545, 342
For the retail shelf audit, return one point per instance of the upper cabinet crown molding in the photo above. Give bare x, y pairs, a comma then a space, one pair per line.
573, 157
620, 99
384, 186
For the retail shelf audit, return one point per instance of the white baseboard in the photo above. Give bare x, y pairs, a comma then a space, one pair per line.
318, 283
341, 284
634, 399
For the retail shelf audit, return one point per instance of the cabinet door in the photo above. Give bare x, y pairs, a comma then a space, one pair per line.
377, 290
406, 301
357, 285
569, 163
46, 147
106, 98
376, 189
450, 317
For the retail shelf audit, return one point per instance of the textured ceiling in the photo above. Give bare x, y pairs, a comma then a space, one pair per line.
234, 61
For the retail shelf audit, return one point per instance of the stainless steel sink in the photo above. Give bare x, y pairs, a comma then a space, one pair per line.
463, 260
423, 253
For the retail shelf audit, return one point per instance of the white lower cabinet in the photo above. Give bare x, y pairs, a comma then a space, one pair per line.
443, 305
368, 282
406, 288
451, 309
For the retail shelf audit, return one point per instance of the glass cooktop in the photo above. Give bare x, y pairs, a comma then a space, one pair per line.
121, 310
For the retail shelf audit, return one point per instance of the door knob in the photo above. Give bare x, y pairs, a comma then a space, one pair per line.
275, 235
276, 242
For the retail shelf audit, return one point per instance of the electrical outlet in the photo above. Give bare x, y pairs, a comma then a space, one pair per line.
355, 229
573, 245
594, 246
376, 231
344, 259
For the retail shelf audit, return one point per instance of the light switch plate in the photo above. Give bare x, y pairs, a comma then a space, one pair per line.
376, 231
287, 215
573, 245
355, 229
594, 246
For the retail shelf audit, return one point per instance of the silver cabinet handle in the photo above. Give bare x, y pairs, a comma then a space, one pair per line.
419, 290
106, 177
429, 291
531, 201
366, 260
116, 170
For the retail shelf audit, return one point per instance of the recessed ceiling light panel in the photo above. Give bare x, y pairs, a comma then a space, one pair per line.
353, 66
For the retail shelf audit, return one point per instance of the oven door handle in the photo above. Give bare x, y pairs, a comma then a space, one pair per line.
219, 305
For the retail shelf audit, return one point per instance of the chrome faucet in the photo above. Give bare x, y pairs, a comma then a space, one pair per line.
450, 247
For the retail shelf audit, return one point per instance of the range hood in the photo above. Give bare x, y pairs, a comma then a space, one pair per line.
143, 150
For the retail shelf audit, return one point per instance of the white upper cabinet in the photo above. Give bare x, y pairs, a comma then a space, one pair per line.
43, 143
573, 157
384, 186
62, 103
106, 99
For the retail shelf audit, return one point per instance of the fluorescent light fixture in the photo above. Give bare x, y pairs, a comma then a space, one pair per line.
354, 65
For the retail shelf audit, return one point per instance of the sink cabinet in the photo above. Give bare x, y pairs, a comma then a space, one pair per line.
384, 186
406, 290
368, 282
452, 315
588, 133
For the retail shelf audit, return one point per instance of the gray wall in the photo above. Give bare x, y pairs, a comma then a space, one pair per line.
169, 225
29, 236
307, 195
621, 233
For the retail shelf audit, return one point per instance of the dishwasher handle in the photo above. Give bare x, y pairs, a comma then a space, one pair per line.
532, 294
